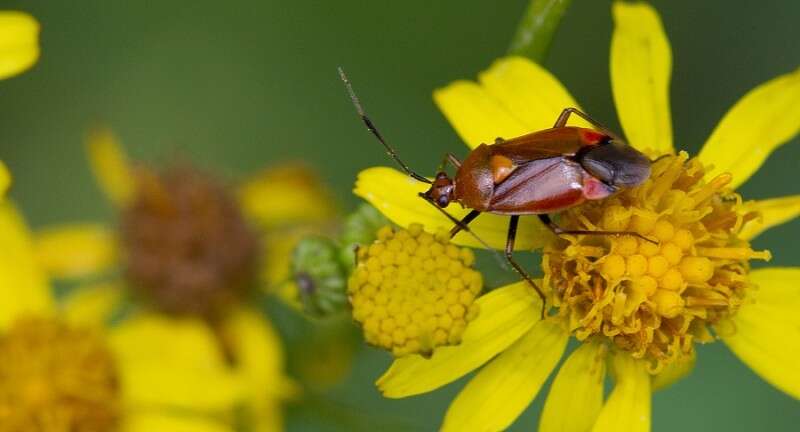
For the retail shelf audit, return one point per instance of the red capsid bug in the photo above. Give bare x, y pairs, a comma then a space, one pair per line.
539, 173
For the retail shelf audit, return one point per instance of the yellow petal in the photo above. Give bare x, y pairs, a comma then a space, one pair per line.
269, 419
92, 305
576, 396
395, 195
641, 65
110, 166
529, 92
326, 359
475, 115
150, 421
761, 121
5, 179
778, 289
767, 336
173, 362
674, 371
505, 387
275, 262
258, 354
78, 250
19, 43
773, 213
23, 285
505, 315
628, 405
515, 97
258, 351
286, 195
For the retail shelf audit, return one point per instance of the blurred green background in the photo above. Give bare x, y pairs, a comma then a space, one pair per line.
238, 85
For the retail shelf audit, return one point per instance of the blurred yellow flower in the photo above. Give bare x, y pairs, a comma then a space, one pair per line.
19, 43
191, 250
60, 370
637, 307
5, 179
19, 50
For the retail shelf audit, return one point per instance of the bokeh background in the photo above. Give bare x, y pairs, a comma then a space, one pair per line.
240, 85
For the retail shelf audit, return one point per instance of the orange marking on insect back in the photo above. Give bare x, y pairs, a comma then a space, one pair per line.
592, 137
501, 167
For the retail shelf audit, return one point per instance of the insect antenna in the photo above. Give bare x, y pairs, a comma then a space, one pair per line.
374, 130
500, 260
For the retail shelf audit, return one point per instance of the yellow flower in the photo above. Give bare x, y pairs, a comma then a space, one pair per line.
413, 292
19, 50
606, 289
182, 273
280, 205
60, 370
5, 179
19, 43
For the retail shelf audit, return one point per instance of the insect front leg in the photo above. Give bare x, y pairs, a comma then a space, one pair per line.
451, 159
461, 225
557, 230
463, 222
512, 235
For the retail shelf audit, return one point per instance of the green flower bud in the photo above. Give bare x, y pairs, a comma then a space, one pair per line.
320, 277
359, 229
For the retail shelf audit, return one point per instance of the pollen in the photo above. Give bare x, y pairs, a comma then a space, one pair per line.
54, 377
654, 297
413, 291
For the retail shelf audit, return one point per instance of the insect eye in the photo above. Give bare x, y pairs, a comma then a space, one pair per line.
442, 201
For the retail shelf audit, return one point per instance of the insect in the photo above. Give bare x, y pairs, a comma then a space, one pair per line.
540, 173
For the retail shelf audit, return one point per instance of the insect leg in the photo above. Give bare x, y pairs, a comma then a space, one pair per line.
564, 116
512, 235
462, 226
557, 230
449, 157
463, 222
374, 130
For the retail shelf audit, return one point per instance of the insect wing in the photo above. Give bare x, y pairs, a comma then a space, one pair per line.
541, 186
548, 143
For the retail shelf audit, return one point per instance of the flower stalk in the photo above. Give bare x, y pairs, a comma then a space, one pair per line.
537, 27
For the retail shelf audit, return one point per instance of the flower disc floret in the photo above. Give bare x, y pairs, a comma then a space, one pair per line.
413, 291
56, 377
655, 298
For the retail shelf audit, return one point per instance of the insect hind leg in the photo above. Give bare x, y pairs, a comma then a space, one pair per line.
566, 112
512, 235
557, 230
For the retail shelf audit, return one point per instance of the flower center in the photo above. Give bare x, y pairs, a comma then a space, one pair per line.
188, 247
413, 291
56, 378
654, 300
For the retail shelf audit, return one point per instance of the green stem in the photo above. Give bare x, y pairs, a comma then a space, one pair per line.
535, 30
